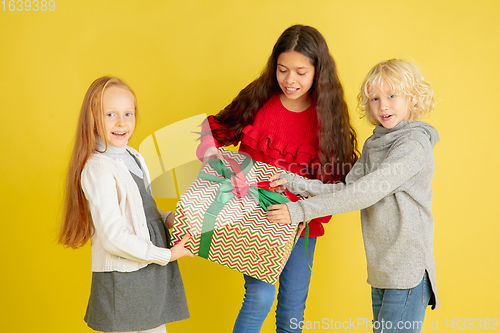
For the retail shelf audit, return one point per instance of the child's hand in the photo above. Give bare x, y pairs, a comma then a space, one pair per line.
278, 182
302, 226
279, 214
179, 250
169, 221
212, 151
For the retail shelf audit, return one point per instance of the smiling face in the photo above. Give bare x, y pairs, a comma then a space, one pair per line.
387, 108
295, 76
119, 115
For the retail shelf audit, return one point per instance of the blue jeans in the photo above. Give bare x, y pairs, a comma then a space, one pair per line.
292, 294
400, 310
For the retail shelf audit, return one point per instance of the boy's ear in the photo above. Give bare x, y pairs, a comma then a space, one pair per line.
412, 102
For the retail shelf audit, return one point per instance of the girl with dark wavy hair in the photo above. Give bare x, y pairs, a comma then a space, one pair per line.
293, 116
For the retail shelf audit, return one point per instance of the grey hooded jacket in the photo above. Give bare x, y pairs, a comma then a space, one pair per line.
391, 184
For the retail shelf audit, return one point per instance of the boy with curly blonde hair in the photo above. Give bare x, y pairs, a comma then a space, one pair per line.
391, 184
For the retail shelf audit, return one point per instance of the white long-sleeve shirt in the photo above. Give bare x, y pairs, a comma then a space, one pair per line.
121, 240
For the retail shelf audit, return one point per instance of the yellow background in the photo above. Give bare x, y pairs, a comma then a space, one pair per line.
188, 57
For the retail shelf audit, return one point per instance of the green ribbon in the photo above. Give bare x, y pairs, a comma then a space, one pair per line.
264, 197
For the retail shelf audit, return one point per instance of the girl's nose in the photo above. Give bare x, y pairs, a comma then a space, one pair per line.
120, 121
290, 79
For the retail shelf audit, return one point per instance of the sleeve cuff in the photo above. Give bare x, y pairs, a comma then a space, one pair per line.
289, 179
158, 255
296, 212
206, 142
164, 215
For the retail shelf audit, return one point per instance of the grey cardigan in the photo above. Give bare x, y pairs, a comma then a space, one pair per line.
391, 184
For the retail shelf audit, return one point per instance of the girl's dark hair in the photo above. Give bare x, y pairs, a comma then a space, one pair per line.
337, 138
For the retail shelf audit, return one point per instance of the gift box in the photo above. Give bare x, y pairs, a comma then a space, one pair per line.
224, 211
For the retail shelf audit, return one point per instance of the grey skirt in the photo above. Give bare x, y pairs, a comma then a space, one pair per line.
143, 299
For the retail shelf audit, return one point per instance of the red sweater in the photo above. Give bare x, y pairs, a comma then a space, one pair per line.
286, 139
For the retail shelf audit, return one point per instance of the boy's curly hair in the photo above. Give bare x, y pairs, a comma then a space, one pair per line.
402, 78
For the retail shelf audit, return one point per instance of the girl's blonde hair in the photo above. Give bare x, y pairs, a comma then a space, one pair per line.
77, 226
402, 78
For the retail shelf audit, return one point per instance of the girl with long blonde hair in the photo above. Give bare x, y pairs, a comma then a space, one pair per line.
136, 282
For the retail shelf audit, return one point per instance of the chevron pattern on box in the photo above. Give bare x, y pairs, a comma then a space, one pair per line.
244, 239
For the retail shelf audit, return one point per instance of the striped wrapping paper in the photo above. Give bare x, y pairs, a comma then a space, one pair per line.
242, 238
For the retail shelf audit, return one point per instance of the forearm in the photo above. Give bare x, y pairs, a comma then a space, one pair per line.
351, 198
120, 241
207, 140
309, 187
397, 169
